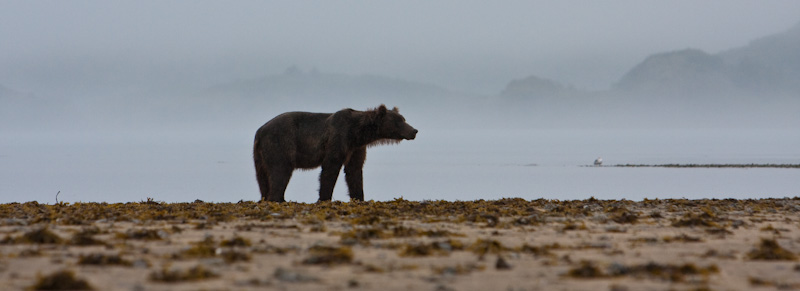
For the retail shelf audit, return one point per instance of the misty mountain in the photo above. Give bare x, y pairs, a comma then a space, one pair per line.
685, 74
257, 100
294, 85
766, 67
746, 85
688, 72
537, 88
756, 84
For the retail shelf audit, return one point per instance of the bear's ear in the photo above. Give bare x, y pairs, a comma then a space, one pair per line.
381, 111
396, 110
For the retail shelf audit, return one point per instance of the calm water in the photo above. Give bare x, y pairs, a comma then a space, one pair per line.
449, 165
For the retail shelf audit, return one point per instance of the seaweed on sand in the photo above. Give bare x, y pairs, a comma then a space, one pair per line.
692, 219
39, 236
103, 260
207, 248
195, 273
143, 234
458, 269
363, 235
86, 238
202, 249
441, 248
623, 215
770, 250
482, 247
674, 273
61, 280
586, 269
236, 241
327, 255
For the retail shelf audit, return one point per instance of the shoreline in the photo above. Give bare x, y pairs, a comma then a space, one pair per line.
396, 245
780, 166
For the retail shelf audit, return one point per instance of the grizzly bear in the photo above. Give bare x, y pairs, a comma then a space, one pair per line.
305, 140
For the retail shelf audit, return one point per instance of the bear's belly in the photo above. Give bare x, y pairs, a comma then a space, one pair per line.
304, 160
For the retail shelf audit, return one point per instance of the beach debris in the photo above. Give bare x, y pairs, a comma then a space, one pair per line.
201, 249
482, 247
196, 273
103, 260
760, 282
682, 238
441, 248
41, 235
622, 215
770, 250
143, 234
236, 241
458, 269
328, 255
362, 236
85, 237
292, 276
61, 280
693, 219
540, 251
586, 269
402, 239
502, 264
674, 273
231, 256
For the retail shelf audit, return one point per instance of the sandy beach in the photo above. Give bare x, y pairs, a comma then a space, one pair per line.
507, 244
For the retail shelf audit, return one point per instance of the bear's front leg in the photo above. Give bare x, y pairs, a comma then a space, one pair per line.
327, 179
354, 174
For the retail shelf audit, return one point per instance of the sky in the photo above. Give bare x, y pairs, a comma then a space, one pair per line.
469, 46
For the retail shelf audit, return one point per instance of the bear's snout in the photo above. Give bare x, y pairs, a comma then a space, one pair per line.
411, 134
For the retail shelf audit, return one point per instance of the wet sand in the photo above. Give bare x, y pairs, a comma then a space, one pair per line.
507, 244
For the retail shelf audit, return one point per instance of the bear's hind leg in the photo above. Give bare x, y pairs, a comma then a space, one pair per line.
262, 176
278, 180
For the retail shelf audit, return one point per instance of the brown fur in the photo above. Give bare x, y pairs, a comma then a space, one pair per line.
304, 140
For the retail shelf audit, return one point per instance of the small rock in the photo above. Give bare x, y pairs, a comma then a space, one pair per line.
501, 264
293, 276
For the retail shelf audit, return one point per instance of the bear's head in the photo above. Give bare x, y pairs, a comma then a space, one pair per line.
392, 125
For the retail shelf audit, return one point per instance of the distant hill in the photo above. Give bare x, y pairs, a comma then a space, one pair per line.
679, 73
754, 85
766, 67
536, 88
328, 88
769, 66
295, 90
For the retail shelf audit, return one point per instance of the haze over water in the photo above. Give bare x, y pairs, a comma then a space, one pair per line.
530, 164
